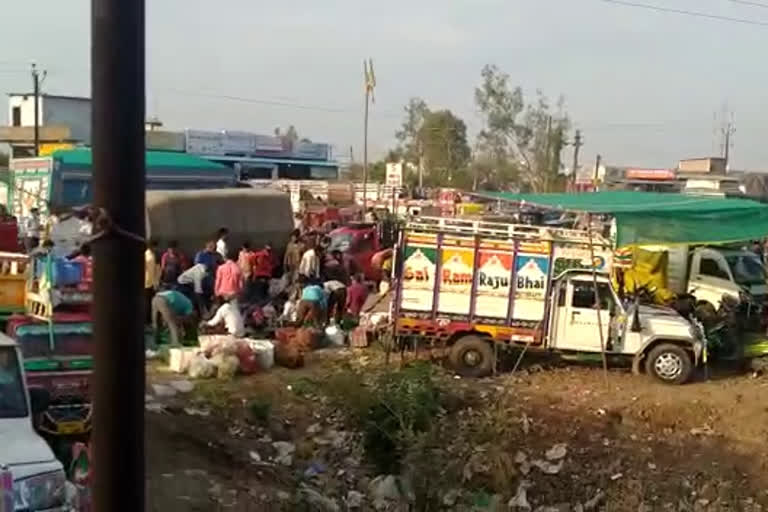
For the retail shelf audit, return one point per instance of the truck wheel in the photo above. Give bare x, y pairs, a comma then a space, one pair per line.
472, 356
669, 363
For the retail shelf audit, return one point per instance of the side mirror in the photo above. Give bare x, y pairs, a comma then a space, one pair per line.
40, 400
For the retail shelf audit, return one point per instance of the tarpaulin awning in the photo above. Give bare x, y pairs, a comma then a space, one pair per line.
652, 217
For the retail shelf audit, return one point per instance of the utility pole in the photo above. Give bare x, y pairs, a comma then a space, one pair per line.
728, 130
36, 80
370, 84
117, 122
577, 143
597, 171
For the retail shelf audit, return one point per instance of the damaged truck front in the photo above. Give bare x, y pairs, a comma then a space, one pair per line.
469, 284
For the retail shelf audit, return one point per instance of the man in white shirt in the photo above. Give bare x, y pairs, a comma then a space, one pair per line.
194, 277
32, 230
229, 314
310, 264
221, 244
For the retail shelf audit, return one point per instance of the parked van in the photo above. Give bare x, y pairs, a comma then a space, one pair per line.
38, 477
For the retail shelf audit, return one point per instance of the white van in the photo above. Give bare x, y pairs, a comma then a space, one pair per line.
38, 477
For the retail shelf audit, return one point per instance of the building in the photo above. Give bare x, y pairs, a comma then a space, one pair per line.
63, 122
707, 165
707, 176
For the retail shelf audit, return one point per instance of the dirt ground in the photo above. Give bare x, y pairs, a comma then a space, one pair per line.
629, 443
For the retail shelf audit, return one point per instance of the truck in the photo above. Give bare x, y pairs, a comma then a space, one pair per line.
38, 477
469, 284
63, 180
710, 272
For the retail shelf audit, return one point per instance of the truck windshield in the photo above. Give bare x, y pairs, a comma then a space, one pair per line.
13, 400
746, 269
341, 242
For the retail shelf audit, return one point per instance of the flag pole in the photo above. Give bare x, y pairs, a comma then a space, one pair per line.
365, 139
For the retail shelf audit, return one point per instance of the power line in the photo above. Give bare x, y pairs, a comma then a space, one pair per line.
753, 4
684, 12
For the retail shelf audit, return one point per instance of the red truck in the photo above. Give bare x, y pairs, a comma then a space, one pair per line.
360, 241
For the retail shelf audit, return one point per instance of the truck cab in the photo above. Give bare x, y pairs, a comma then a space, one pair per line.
668, 344
38, 477
715, 272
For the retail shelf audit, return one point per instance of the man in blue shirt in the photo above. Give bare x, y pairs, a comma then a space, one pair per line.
173, 308
311, 307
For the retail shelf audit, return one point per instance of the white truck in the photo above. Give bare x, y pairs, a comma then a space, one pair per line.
469, 284
38, 477
708, 273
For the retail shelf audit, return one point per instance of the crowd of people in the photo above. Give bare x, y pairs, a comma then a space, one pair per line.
226, 290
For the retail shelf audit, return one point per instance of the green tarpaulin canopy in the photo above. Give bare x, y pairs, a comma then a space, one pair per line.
651, 217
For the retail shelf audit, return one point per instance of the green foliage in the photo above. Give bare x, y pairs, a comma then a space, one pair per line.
377, 172
446, 151
260, 410
391, 411
528, 138
409, 133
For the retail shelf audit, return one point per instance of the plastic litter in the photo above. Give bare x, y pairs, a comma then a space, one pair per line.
557, 452
264, 351
520, 500
248, 361
226, 365
335, 335
182, 386
161, 390
179, 358
201, 368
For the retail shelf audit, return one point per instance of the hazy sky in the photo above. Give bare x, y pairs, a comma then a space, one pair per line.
643, 86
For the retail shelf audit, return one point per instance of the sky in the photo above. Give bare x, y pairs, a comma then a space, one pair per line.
646, 88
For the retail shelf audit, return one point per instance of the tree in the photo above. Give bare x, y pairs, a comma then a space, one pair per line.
446, 153
408, 134
530, 136
290, 137
377, 172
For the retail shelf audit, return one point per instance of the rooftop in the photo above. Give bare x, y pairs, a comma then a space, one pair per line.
44, 95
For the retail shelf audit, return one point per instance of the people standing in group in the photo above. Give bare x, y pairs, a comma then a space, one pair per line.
175, 310
309, 267
151, 276
32, 230
246, 260
192, 282
172, 265
262, 272
357, 293
229, 279
222, 246
312, 303
337, 300
210, 258
293, 253
229, 317
85, 259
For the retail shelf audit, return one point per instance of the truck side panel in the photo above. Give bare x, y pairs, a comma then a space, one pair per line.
494, 280
419, 268
456, 276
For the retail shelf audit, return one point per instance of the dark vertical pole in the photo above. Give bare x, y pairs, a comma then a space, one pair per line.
577, 143
117, 83
365, 151
36, 87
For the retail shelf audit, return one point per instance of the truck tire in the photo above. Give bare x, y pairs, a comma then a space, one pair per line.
669, 364
472, 356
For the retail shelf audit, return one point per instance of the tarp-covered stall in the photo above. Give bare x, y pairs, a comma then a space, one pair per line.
192, 217
652, 218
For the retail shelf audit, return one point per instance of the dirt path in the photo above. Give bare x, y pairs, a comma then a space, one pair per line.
632, 443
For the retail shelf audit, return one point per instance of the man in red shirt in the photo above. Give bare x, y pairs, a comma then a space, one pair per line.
229, 279
262, 271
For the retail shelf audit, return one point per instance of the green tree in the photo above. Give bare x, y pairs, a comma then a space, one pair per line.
446, 152
410, 129
377, 171
526, 137
290, 137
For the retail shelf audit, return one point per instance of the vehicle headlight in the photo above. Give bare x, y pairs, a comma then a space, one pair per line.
40, 492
